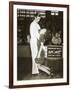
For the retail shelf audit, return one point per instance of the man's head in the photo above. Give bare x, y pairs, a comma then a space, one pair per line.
57, 35
37, 17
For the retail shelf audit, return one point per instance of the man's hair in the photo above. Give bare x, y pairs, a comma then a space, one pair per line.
37, 15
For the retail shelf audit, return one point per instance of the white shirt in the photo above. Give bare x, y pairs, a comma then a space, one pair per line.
34, 30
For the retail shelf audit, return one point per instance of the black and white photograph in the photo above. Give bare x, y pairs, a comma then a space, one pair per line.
39, 46
39, 51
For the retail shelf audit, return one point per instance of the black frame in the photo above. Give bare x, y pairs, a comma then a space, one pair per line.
11, 3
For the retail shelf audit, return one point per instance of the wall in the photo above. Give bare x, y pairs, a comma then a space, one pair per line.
4, 44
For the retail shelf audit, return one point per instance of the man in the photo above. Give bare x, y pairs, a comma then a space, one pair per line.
34, 33
56, 39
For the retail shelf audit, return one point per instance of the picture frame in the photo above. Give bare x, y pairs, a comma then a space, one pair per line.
55, 20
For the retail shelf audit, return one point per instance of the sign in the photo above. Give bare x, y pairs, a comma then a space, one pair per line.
54, 52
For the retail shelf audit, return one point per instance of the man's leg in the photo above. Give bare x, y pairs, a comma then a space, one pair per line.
35, 69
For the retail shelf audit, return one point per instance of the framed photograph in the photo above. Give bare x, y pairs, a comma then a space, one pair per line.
38, 44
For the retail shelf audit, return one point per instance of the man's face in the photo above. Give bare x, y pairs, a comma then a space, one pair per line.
37, 19
57, 35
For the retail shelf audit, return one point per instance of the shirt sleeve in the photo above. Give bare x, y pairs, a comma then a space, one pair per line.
34, 31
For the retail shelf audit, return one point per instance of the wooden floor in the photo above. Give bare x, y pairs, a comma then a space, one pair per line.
24, 66
41, 75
